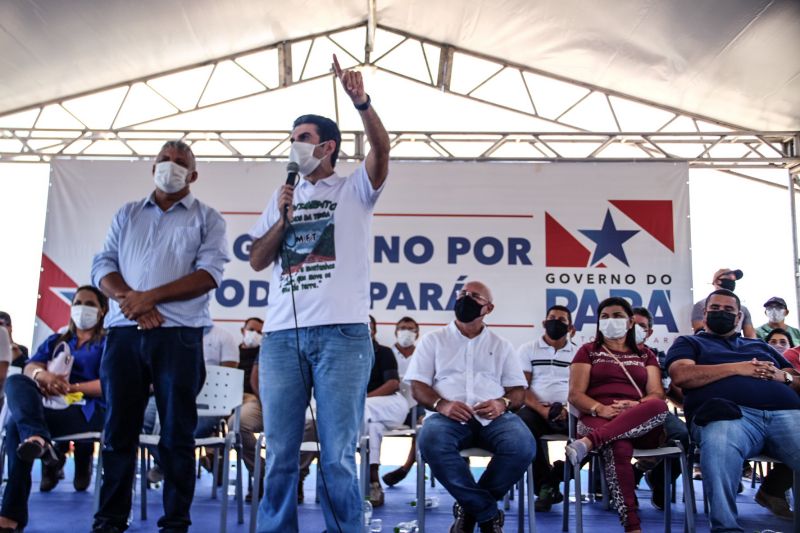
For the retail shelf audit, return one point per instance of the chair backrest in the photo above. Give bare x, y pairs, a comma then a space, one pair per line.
222, 391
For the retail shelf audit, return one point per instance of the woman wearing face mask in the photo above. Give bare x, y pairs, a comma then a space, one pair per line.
617, 388
33, 424
780, 339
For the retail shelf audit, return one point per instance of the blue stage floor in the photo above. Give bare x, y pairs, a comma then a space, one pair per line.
64, 510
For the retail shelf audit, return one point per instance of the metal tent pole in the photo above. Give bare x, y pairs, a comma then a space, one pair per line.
796, 269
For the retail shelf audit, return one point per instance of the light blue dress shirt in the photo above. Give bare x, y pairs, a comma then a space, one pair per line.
150, 248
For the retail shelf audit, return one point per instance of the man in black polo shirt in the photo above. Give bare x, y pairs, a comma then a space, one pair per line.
741, 400
385, 408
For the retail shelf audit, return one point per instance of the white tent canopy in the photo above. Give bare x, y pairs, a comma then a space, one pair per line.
732, 60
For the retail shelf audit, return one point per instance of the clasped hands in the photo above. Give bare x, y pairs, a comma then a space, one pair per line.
461, 412
141, 307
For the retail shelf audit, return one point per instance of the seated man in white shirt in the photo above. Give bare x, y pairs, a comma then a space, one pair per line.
407, 332
471, 378
384, 409
545, 362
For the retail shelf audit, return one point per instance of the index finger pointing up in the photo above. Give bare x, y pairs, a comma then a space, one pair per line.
336, 68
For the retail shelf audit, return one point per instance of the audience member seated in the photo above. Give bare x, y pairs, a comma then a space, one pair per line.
545, 362
725, 278
5, 361
790, 353
741, 401
776, 310
617, 388
44, 405
19, 353
385, 408
674, 427
219, 349
471, 410
406, 333
250, 421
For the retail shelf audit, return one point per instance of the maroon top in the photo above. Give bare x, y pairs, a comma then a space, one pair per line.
607, 380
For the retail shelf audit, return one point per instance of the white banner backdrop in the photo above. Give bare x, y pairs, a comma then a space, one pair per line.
536, 234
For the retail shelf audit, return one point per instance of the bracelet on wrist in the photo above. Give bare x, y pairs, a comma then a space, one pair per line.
35, 373
436, 403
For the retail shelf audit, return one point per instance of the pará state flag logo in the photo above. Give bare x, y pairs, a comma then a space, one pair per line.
593, 245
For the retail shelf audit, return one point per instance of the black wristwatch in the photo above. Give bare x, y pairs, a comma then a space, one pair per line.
365, 105
788, 378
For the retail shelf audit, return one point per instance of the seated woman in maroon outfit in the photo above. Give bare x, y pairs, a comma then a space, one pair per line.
617, 388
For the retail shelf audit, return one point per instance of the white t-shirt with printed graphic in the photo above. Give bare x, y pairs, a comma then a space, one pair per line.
328, 250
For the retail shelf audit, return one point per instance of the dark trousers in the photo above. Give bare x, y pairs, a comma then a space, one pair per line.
543, 473
172, 360
28, 417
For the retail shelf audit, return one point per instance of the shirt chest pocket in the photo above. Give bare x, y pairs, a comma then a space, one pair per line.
185, 240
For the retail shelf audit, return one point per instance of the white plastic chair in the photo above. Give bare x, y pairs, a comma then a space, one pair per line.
666, 453
221, 394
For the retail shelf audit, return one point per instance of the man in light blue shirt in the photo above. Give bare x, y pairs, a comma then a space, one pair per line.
161, 258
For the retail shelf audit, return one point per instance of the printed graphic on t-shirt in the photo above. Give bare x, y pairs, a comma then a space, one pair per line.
311, 247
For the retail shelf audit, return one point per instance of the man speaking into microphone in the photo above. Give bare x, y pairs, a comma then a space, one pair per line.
315, 235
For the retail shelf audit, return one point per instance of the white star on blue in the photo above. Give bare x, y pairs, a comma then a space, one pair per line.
609, 240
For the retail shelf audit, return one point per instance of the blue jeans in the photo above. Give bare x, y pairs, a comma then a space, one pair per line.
172, 360
337, 361
28, 417
725, 444
506, 437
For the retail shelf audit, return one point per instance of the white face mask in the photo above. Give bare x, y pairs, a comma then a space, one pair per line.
170, 177
641, 333
251, 338
303, 154
406, 338
85, 317
779, 348
613, 328
775, 314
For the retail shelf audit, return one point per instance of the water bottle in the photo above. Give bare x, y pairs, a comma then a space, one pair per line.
430, 502
366, 508
406, 527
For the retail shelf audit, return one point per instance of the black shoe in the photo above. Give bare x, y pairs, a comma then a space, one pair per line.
395, 476
547, 497
106, 528
464, 522
30, 450
495, 525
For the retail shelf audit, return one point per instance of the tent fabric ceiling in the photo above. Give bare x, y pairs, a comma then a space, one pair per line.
732, 60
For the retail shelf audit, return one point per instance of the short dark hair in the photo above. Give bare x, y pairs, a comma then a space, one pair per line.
326, 129
779, 331
642, 311
407, 319
182, 147
630, 336
5, 317
257, 319
561, 308
724, 292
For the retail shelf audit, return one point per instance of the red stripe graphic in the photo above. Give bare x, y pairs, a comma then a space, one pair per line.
51, 309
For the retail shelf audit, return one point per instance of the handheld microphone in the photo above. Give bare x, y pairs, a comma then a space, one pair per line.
292, 169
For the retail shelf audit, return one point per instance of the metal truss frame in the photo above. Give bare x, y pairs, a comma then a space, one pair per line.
701, 141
